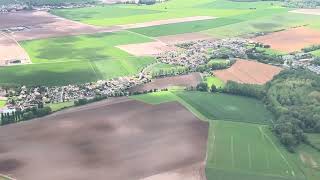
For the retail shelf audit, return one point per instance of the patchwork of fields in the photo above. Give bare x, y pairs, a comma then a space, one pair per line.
121, 40
236, 149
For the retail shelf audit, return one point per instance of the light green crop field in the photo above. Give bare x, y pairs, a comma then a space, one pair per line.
214, 81
202, 25
227, 107
76, 59
59, 106
245, 151
50, 74
156, 98
2, 103
316, 53
274, 22
97, 47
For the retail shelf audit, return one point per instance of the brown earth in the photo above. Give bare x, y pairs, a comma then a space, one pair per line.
41, 24
183, 38
146, 49
188, 80
307, 11
248, 72
114, 139
291, 40
193, 172
10, 50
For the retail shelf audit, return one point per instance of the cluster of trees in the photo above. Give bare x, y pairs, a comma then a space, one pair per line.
249, 90
294, 97
84, 101
150, 91
17, 116
261, 55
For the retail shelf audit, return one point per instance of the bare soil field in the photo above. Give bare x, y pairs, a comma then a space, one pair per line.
184, 80
114, 139
248, 72
183, 38
41, 24
147, 49
193, 172
291, 40
307, 11
10, 50
166, 21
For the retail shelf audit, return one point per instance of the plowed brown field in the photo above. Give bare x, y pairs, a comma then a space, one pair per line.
291, 40
249, 72
119, 139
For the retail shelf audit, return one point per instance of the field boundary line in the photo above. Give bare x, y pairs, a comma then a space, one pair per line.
195, 112
15, 41
250, 158
8, 177
279, 151
232, 152
250, 172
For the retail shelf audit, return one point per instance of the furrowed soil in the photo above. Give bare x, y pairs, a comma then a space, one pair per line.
114, 139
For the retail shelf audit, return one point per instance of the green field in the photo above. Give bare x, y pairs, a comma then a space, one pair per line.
2, 103
316, 53
76, 59
156, 98
59, 106
202, 25
247, 151
227, 107
214, 81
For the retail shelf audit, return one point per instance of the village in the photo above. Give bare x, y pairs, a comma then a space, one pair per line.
190, 55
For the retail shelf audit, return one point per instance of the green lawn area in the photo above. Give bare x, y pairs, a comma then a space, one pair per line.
156, 98
227, 107
76, 59
59, 106
214, 80
316, 53
2, 103
245, 151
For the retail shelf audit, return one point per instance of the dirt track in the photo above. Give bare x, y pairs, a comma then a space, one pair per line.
10, 50
191, 79
291, 40
249, 72
115, 139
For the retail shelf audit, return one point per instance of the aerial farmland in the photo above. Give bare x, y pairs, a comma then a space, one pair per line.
160, 89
